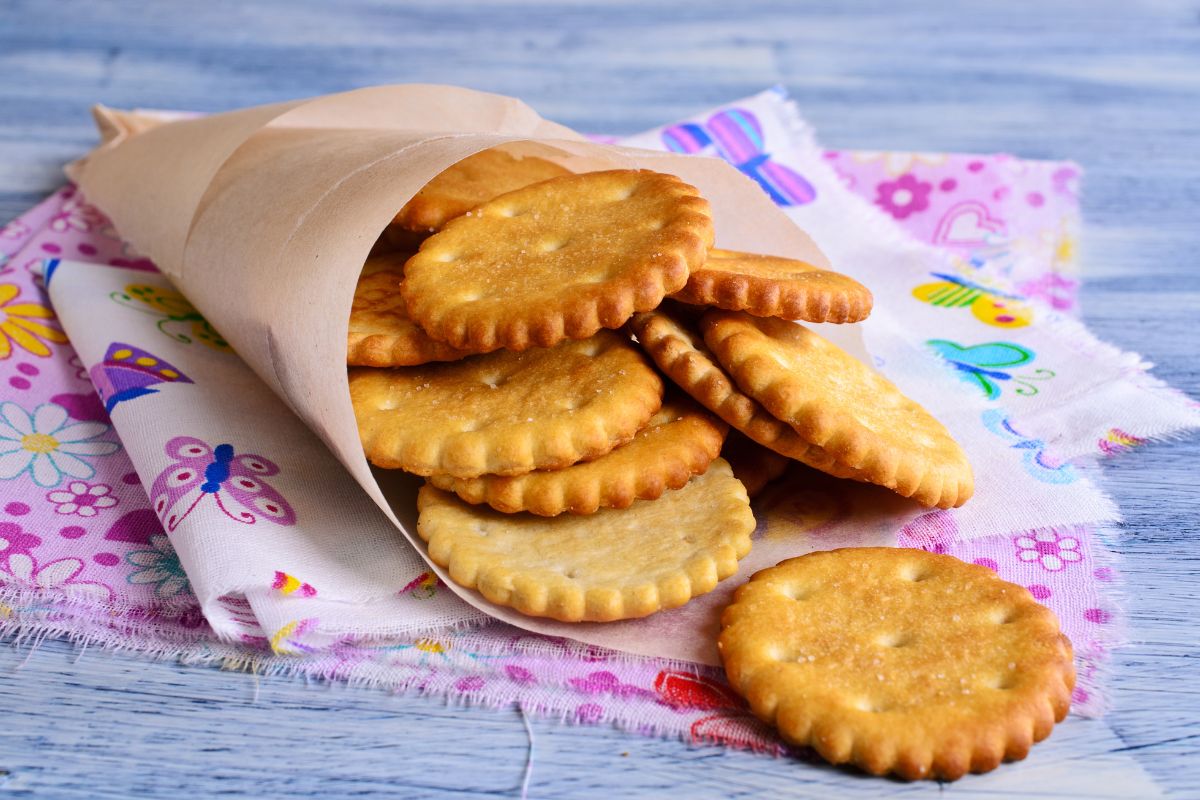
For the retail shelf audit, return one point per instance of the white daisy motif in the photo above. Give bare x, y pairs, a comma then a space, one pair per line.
47, 445
1049, 549
82, 499
58, 575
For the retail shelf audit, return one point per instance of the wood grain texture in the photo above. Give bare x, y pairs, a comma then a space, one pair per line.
1112, 85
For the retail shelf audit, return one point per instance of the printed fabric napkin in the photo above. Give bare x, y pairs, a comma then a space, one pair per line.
252, 548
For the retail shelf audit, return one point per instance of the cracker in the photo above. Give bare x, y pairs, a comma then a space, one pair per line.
679, 441
754, 465
506, 413
474, 180
899, 661
381, 333
614, 564
558, 260
680, 352
832, 400
772, 286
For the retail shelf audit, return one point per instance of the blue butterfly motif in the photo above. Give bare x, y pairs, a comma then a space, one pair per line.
985, 365
1034, 450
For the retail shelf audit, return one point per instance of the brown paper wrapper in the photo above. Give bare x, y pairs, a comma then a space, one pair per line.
263, 218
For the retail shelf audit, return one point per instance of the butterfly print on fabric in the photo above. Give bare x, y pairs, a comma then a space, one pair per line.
200, 472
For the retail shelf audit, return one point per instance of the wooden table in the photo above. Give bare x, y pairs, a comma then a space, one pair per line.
1114, 87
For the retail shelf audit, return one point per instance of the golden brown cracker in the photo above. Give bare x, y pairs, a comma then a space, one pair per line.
380, 332
772, 286
899, 661
506, 413
474, 180
614, 564
558, 260
754, 465
835, 402
679, 351
679, 441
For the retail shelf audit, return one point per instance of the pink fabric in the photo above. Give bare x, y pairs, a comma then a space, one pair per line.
82, 554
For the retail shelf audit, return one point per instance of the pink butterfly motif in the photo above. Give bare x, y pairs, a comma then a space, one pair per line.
200, 471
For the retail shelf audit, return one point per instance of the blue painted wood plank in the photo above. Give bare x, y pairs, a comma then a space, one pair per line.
1114, 86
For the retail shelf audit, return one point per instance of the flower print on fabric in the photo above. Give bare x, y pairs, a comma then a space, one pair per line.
725, 720
23, 325
82, 499
422, 587
77, 215
14, 540
903, 196
176, 312
1036, 462
289, 584
1049, 549
1118, 441
24, 571
984, 365
200, 471
990, 306
737, 136
158, 566
128, 372
47, 445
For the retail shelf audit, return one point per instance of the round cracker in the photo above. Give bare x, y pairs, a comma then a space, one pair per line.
899, 661
506, 413
855, 415
680, 352
679, 441
558, 260
772, 286
614, 564
381, 334
474, 180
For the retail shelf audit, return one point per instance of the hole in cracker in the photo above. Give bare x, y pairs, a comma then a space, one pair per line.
656, 225
551, 246
914, 573
1002, 682
625, 193
508, 212
446, 258
895, 639
1003, 616
495, 380
868, 704
793, 592
591, 347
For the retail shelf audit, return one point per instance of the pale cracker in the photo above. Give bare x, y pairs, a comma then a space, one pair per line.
558, 260
835, 402
679, 441
772, 286
380, 332
899, 661
614, 564
506, 413
474, 180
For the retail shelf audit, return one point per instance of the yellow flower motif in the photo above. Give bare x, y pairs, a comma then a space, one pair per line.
19, 325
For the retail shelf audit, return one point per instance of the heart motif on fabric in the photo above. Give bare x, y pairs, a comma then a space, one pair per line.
967, 225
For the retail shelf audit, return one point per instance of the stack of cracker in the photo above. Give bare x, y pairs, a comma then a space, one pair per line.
515, 362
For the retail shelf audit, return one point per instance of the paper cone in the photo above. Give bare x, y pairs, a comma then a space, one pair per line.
263, 218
